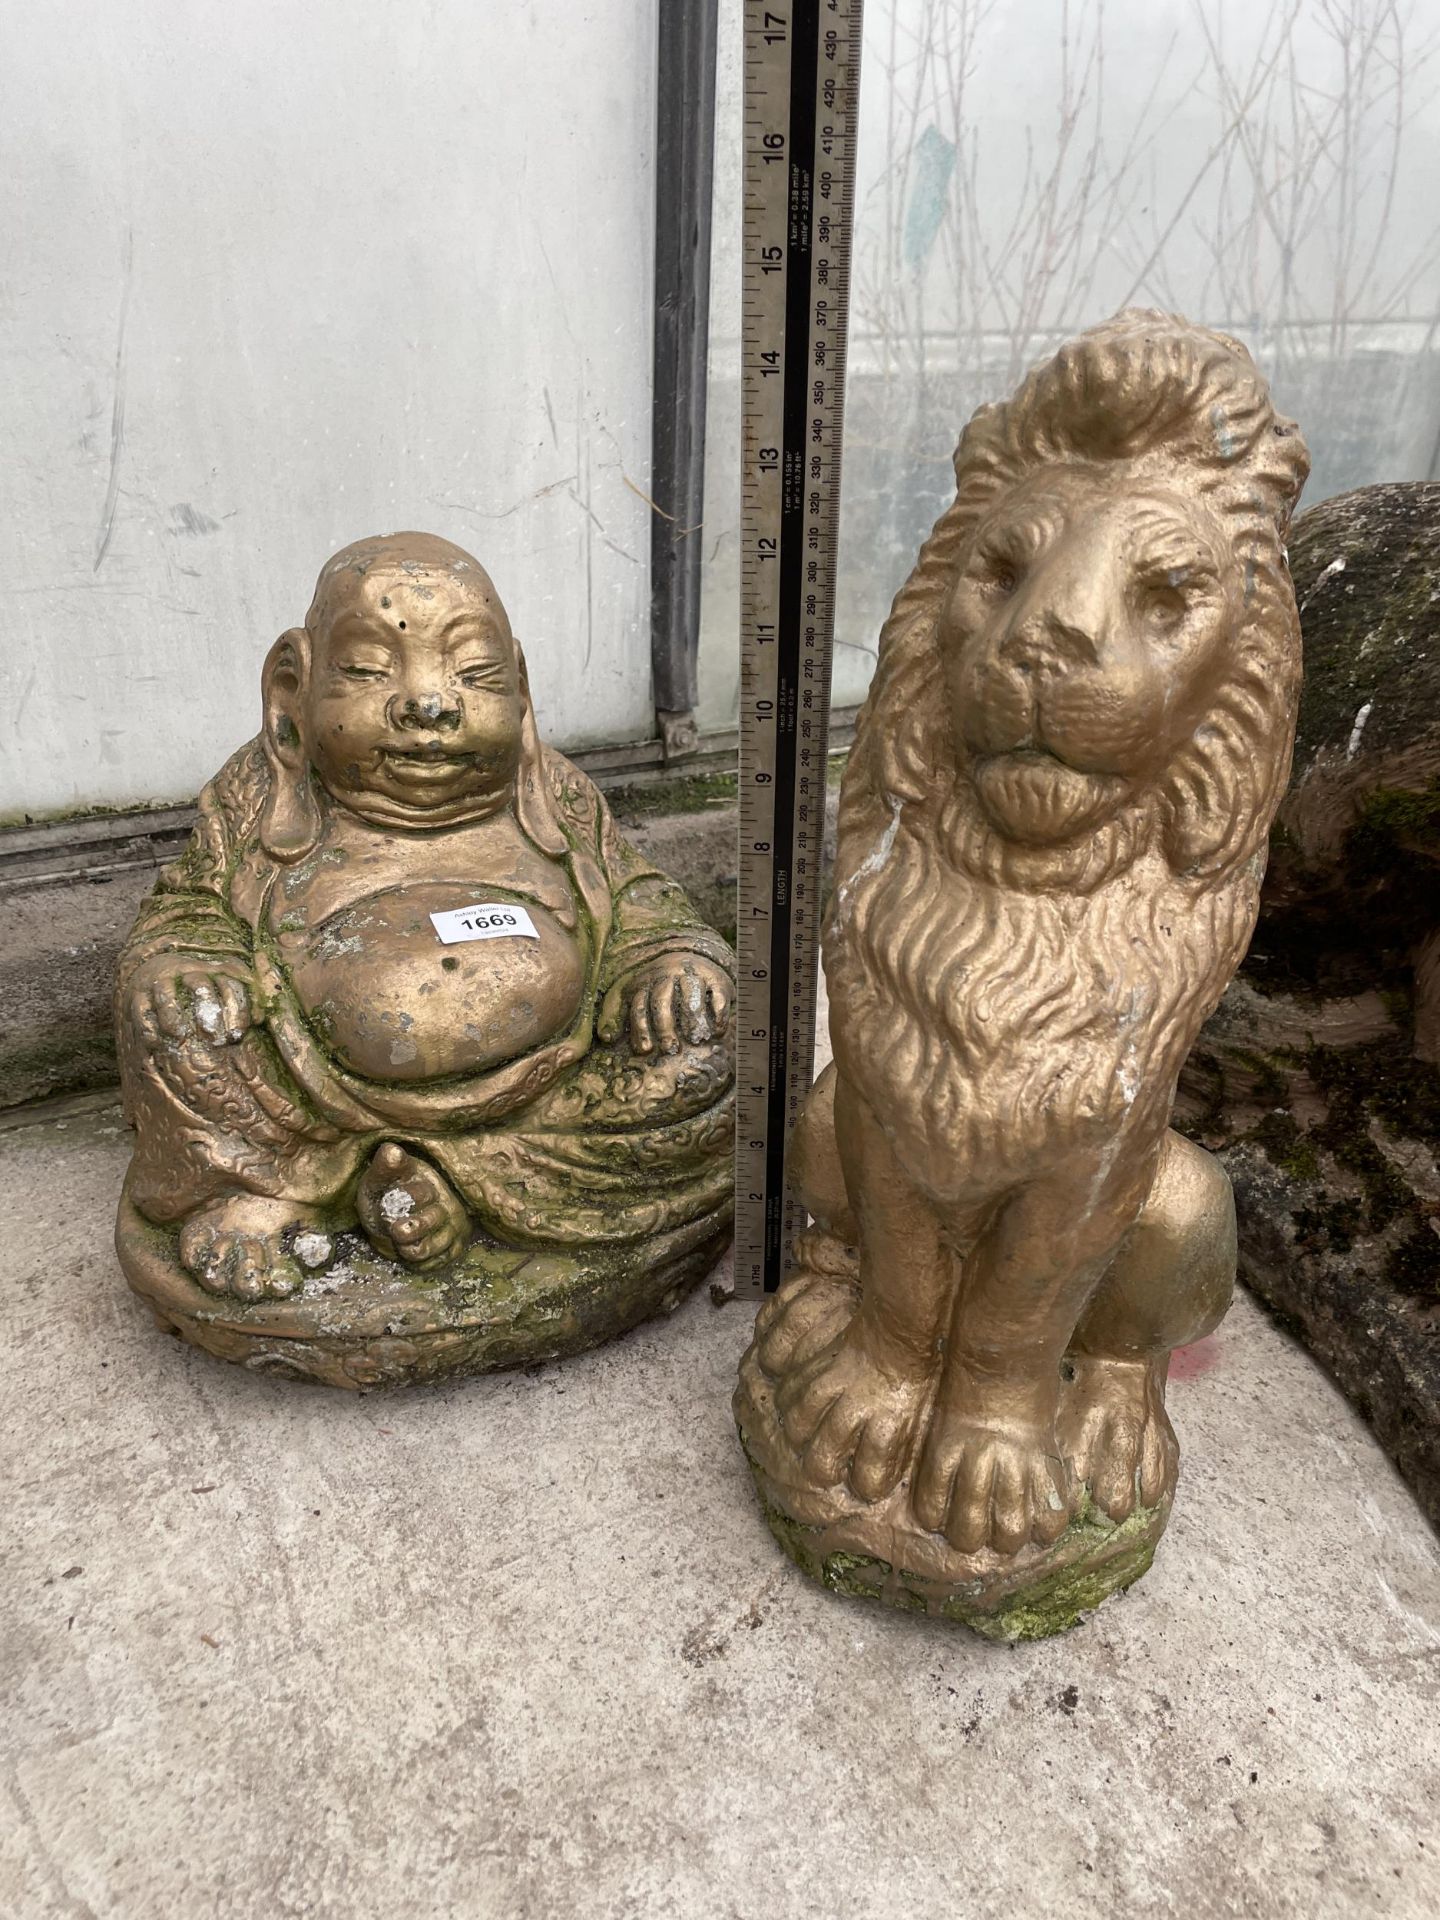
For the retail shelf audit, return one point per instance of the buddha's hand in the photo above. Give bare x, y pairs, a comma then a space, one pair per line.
677, 997
179, 998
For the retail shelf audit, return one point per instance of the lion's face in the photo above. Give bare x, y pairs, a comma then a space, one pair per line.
1081, 643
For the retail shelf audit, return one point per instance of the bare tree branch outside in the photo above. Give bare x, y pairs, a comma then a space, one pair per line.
1028, 166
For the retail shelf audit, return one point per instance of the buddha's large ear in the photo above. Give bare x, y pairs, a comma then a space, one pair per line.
290, 817
534, 802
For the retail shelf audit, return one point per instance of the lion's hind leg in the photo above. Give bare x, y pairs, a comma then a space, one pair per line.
817, 1171
1168, 1285
817, 1300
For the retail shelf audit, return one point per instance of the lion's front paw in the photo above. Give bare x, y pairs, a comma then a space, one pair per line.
1116, 1434
799, 1321
990, 1485
850, 1418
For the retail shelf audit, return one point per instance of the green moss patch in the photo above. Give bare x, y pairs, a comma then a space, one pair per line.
1099, 1558
685, 793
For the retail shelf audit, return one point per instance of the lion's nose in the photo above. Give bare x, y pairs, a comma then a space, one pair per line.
1048, 645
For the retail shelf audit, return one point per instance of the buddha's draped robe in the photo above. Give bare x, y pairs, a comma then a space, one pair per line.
572, 1143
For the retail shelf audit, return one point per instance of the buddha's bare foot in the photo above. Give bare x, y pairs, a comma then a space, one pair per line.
809, 1311
1115, 1432
409, 1210
851, 1418
252, 1247
990, 1473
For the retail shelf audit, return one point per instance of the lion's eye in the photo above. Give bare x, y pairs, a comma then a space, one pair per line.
1001, 574
1166, 605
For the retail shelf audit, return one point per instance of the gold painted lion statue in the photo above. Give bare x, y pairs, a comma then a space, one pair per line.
1052, 832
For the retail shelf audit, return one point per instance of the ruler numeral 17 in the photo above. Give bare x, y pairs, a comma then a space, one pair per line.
800, 112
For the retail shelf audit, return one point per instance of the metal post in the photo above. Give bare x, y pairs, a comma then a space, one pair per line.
684, 171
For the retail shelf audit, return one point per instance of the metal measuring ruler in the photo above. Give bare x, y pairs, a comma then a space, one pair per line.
802, 82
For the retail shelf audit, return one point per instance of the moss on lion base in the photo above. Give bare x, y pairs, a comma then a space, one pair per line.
1092, 1559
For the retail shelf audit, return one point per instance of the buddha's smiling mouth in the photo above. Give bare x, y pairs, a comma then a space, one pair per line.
426, 761
425, 781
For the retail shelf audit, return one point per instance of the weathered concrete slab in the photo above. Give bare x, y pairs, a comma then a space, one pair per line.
525, 1647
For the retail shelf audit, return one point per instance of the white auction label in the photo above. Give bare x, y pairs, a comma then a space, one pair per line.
492, 920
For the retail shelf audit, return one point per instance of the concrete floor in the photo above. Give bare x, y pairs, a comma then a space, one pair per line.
523, 1647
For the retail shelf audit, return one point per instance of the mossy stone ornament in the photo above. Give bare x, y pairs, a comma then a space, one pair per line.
430, 1071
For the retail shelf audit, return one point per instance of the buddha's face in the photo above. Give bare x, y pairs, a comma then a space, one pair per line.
412, 709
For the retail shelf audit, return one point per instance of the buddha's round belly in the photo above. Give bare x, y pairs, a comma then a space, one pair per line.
394, 1003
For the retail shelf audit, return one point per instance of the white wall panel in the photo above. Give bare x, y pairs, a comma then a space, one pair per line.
276, 276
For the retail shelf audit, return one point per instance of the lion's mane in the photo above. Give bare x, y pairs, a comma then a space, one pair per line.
1003, 996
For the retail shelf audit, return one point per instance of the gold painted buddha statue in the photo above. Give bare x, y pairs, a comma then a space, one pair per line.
430, 1071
